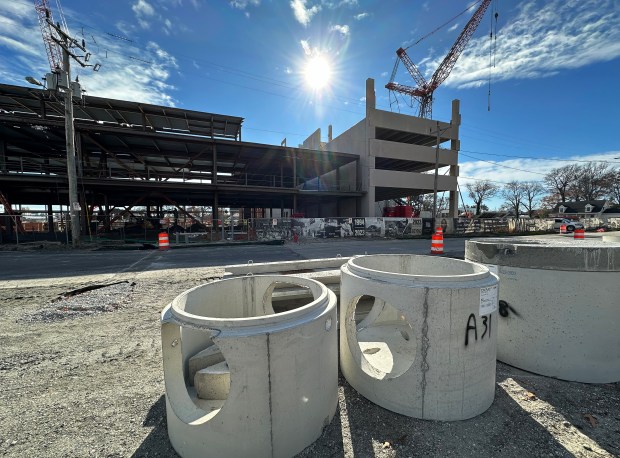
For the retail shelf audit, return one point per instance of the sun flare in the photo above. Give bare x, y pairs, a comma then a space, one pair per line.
317, 72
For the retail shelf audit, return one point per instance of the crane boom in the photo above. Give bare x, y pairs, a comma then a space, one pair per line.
423, 93
449, 61
54, 53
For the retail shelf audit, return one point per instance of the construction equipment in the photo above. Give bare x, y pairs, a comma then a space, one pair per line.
54, 53
423, 93
9, 211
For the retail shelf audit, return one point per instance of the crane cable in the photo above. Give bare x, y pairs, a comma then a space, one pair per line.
444, 24
492, 47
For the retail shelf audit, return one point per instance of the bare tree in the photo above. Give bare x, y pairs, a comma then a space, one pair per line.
479, 191
558, 180
532, 190
425, 202
592, 181
513, 193
614, 188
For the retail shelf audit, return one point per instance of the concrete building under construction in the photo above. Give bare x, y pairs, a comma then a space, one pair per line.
398, 155
130, 154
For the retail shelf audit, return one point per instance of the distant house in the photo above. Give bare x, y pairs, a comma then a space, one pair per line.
611, 212
580, 209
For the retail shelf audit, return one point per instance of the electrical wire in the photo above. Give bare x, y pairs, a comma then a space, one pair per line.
502, 165
444, 24
541, 158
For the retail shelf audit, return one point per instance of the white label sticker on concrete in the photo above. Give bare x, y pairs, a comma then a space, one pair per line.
493, 268
488, 300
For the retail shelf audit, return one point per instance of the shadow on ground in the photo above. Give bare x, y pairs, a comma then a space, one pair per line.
156, 443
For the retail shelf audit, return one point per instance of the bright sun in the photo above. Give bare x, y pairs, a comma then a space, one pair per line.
317, 72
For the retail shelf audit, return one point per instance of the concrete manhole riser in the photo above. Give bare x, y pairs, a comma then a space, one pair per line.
559, 305
427, 347
242, 380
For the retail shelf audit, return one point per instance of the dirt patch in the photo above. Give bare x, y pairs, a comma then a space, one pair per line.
92, 386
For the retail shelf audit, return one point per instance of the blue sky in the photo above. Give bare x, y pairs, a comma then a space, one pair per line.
554, 86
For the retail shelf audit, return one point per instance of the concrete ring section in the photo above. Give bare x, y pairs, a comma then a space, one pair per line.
249, 368
418, 334
559, 306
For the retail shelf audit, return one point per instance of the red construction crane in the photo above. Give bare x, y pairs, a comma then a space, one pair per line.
54, 53
423, 93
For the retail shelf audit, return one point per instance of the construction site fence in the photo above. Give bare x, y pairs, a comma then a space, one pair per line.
188, 231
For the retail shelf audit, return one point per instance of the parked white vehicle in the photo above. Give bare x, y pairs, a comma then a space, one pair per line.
570, 224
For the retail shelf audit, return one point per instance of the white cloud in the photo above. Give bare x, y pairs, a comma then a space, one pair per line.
164, 57
306, 45
20, 37
384, 74
501, 171
143, 8
359, 17
336, 4
539, 41
343, 29
144, 12
120, 77
451, 29
243, 4
519, 169
302, 13
129, 79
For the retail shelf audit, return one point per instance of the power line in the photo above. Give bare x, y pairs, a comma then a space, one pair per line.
505, 166
540, 158
514, 140
492, 181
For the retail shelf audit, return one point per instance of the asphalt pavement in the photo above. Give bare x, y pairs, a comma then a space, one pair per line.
41, 264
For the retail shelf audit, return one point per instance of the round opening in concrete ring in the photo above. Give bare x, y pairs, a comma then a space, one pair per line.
208, 379
383, 335
283, 296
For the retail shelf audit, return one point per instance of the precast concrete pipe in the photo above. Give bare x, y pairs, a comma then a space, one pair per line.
427, 347
559, 305
245, 376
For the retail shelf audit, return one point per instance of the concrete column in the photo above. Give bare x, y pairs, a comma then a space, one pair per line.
50, 219
455, 145
215, 211
367, 163
214, 177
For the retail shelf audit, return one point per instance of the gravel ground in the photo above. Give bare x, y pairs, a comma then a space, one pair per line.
81, 375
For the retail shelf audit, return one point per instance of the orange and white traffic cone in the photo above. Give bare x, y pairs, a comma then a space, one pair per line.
563, 229
164, 242
437, 242
579, 234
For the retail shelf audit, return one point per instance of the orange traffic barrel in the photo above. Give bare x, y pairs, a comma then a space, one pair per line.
164, 243
439, 230
579, 234
437, 243
563, 229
